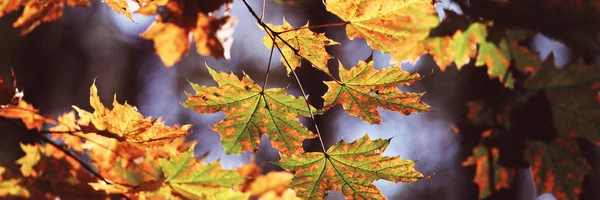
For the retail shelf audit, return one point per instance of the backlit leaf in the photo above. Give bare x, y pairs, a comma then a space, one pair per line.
362, 89
251, 112
11, 187
29, 115
170, 31
557, 167
392, 26
350, 168
196, 180
120, 6
36, 11
502, 177
125, 123
308, 44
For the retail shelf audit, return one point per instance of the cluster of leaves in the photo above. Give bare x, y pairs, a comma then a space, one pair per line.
141, 158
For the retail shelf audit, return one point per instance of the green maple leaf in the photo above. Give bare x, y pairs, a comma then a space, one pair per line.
573, 96
308, 44
251, 112
392, 26
196, 180
350, 168
558, 167
362, 89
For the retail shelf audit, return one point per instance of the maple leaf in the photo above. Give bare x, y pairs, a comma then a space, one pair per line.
11, 186
250, 111
306, 43
36, 12
213, 36
350, 168
502, 177
558, 167
196, 180
125, 123
119, 6
573, 97
394, 27
44, 163
26, 113
462, 46
362, 89
272, 185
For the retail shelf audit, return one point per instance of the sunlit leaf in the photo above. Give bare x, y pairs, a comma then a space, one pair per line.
120, 6
350, 168
36, 11
362, 89
212, 35
11, 187
196, 180
125, 123
250, 112
392, 26
29, 115
308, 44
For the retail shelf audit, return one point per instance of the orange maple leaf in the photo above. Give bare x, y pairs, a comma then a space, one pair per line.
36, 11
170, 31
26, 113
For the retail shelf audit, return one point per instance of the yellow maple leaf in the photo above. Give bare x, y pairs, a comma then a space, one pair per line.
125, 123
119, 6
396, 27
11, 186
308, 44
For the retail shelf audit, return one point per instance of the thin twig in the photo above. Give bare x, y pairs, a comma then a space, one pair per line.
262, 16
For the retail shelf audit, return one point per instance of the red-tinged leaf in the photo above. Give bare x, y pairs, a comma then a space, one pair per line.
309, 45
396, 27
251, 112
125, 123
362, 89
557, 167
26, 113
350, 168
573, 100
502, 177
